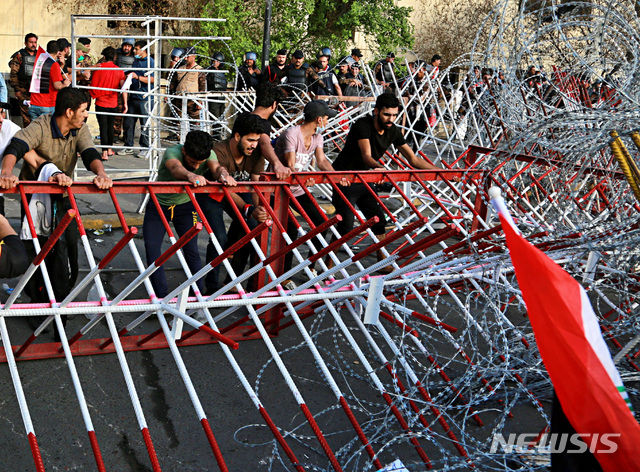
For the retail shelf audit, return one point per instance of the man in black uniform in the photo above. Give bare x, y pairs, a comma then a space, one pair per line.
274, 73
299, 74
217, 82
327, 77
367, 141
384, 72
248, 73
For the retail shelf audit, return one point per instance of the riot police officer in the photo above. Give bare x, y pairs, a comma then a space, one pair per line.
216, 82
248, 73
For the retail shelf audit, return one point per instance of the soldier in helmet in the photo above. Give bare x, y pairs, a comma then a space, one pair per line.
21, 65
188, 79
216, 82
384, 71
176, 55
248, 73
327, 76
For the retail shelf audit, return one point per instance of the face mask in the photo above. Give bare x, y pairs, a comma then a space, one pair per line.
81, 58
137, 56
320, 129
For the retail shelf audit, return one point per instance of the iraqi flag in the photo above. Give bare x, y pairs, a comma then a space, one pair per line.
567, 332
41, 72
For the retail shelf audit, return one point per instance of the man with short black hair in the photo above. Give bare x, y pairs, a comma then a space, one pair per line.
187, 162
299, 74
274, 73
434, 67
58, 139
297, 147
50, 80
64, 56
384, 71
238, 155
21, 66
367, 141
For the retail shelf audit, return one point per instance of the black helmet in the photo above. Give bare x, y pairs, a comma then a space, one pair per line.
324, 52
251, 55
217, 56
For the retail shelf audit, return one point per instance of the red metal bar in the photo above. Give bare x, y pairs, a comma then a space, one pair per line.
184, 239
55, 235
128, 236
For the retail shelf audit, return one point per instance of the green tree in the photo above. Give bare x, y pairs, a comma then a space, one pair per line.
310, 25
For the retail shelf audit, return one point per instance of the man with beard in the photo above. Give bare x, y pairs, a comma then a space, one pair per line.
21, 65
59, 139
187, 79
274, 73
187, 162
367, 141
238, 155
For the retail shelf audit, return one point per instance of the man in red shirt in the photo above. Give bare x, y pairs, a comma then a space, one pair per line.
107, 100
44, 103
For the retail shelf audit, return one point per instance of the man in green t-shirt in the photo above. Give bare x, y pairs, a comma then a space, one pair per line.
179, 163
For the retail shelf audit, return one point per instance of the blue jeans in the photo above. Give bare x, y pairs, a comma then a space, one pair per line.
35, 111
137, 107
183, 216
213, 212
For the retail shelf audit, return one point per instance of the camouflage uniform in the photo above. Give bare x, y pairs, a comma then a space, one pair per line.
20, 86
183, 81
86, 62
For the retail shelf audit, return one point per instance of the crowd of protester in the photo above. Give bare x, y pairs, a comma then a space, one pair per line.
55, 135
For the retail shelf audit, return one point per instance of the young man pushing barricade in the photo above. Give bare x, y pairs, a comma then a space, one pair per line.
238, 155
187, 162
297, 147
367, 141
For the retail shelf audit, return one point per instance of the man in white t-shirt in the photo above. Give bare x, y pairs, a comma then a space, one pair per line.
7, 129
296, 148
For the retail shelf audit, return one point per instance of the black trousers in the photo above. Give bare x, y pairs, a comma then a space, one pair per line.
358, 196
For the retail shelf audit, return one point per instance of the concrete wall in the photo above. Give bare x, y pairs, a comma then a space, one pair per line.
49, 19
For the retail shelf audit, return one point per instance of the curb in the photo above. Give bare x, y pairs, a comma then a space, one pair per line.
97, 221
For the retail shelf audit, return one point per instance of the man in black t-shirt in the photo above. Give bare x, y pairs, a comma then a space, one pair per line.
367, 141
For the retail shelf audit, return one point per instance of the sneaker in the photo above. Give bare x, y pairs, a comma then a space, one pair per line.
125, 152
118, 140
141, 155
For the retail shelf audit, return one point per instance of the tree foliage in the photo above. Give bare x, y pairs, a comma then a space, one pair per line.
310, 25
449, 27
